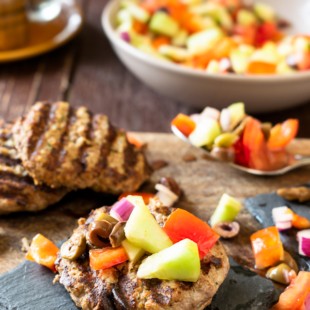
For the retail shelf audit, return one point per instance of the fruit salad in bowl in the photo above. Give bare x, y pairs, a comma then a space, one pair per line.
217, 36
191, 51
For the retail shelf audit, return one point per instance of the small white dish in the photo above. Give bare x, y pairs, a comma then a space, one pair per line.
199, 89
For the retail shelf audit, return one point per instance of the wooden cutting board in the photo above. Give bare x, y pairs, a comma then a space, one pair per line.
203, 181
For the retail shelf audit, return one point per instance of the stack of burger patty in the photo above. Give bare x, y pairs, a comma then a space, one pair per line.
55, 148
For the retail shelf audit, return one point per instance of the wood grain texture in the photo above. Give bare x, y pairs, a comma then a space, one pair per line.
202, 181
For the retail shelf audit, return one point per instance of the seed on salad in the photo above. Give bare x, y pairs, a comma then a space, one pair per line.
73, 248
227, 229
98, 233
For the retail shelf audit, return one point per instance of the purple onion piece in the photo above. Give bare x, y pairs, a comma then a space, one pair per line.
125, 36
121, 210
305, 245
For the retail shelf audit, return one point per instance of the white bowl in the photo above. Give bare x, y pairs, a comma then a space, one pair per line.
199, 89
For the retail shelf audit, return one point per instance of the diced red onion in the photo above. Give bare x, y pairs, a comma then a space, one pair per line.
303, 238
165, 195
282, 217
125, 36
121, 210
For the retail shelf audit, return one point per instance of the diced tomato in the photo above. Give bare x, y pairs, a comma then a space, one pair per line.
246, 34
184, 123
242, 154
43, 251
267, 247
259, 67
107, 257
146, 196
282, 134
254, 144
268, 31
296, 294
182, 224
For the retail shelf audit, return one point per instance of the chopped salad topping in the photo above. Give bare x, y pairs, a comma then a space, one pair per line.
217, 36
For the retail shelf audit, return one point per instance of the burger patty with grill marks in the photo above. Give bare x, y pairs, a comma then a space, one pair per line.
64, 146
17, 189
119, 288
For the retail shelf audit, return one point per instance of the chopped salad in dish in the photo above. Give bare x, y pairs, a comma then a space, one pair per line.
232, 135
217, 36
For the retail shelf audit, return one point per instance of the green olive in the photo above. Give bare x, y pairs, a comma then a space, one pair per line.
73, 248
98, 233
118, 234
280, 273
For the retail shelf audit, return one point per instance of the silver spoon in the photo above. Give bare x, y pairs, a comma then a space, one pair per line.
296, 162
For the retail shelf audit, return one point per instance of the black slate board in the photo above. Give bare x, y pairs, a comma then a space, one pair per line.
30, 287
261, 208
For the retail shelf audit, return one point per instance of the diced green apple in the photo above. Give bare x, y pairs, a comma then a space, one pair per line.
142, 230
264, 12
162, 23
134, 253
179, 262
246, 18
203, 41
226, 211
205, 132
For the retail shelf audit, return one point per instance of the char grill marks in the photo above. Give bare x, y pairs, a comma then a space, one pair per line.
63, 146
17, 189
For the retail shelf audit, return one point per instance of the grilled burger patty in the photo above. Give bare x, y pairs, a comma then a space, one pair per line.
63, 146
119, 288
17, 189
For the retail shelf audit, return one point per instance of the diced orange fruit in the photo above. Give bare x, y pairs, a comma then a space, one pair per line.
300, 222
282, 134
267, 247
184, 123
160, 40
107, 257
43, 251
139, 27
259, 67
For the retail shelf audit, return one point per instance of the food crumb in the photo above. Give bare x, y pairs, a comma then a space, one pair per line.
25, 245
189, 157
158, 164
300, 194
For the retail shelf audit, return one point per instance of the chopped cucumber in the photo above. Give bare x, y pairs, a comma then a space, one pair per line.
123, 16
264, 12
226, 211
203, 41
175, 53
136, 11
205, 132
268, 53
224, 19
246, 18
162, 23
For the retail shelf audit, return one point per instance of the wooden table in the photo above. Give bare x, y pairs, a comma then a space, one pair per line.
86, 71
